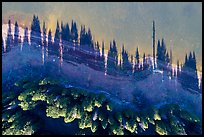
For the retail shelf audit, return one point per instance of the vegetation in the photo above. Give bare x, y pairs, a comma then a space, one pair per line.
91, 111
69, 37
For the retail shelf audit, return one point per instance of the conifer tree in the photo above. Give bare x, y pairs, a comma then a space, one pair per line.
44, 35
163, 51
158, 52
137, 56
178, 69
112, 61
126, 64
102, 56
67, 33
188, 76
137, 61
97, 49
194, 62
57, 38
102, 49
82, 36
74, 32
50, 46
16, 34
25, 38
9, 40
145, 65
35, 34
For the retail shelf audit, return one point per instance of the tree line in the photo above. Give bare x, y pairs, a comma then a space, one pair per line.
66, 37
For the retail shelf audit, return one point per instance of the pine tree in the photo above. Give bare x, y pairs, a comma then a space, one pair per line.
63, 33
82, 36
25, 38
115, 54
137, 56
89, 40
174, 73
161, 54
190, 61
188, 76
178, 69
103, 49
9, 40
137, 60
35, 36
158, 52
97, 50
145, 65
167, 61
74, 32
126, 64
50, 46
186, 59
57, 38
112, 61
194, 62
163, 51
44, 35
144, 59
194, 70
67, 33
102, 57
16, 34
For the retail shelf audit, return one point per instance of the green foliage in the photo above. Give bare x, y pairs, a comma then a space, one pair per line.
13, 130
22, 96
116, 129
144, 123
91, 110
39, 96
87, 104
94, 127
131, 125
127, 113
110, 106
161, 128
176, 126
104, 123
72, 114
157, 117
189, 117
55, 112
118, 116
43, 82
85, 121
138, 119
